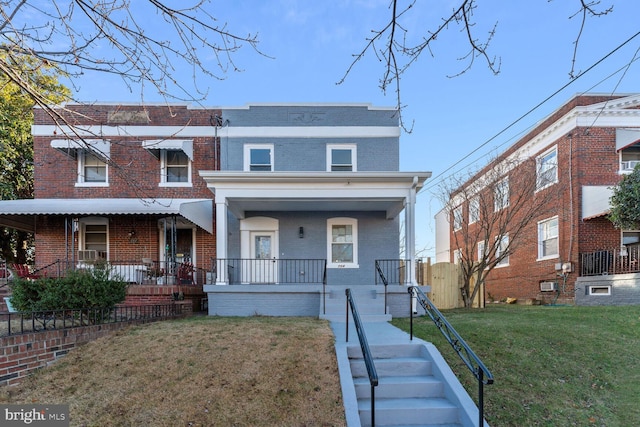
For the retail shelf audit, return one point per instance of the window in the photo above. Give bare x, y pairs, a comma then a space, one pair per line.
500, 250
629, 159
630, 237
481, 246
258, 157
176, 168
501, 195
342, 236
600, 290
457, 256
547, 169
341, 158
474, 210
457, 218
93, 241
548, 238
92, 171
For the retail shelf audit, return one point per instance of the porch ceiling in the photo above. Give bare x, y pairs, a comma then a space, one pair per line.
20, 214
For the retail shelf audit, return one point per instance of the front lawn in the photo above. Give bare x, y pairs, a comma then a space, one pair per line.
553, 365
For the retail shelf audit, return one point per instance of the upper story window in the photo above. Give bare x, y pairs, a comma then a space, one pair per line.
481, 246
176, 168
92, 171
501, 248
342, 238
629, 158
548, 238
474, 210
258, 157
341, 158
457, 218
501, 195
547, 169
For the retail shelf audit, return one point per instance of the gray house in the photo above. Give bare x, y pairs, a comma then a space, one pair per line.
309, 200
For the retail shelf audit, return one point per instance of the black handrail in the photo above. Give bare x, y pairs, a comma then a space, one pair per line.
366, 352
385, 282
473, 362
324, 288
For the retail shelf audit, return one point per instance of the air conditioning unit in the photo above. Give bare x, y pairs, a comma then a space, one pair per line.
90, 255
548, 286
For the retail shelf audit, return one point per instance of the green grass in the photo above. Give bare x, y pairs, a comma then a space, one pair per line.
552, 365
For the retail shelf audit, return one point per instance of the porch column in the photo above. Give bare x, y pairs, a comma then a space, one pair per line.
222, 233
410, 230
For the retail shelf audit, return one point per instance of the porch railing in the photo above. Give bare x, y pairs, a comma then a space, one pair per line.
473, 362
611, 261
234, 271
395, 271
134, 272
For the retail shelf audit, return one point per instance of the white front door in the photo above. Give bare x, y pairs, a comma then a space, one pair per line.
263, 267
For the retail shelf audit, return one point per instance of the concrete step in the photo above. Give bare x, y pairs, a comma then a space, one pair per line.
389, 351
397, 367
400, 387
409, 411
364, 317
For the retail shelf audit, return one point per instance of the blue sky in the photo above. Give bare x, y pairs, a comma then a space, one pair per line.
310, 45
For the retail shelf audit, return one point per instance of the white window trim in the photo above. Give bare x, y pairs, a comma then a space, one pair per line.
496, 207
354, 155
505, 261
163, 175
83, 222
457, 256
540, 241
538, 164
354, 228
457, 218
480, 249
247, 155
621, 169
599, 294
81, 182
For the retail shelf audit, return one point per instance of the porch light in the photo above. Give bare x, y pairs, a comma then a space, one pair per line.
301, 232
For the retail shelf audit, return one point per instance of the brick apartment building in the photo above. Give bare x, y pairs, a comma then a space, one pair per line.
569, 251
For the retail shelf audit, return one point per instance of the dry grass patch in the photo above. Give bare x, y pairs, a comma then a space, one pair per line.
202, 371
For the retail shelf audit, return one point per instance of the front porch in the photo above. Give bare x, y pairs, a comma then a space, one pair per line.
609, 277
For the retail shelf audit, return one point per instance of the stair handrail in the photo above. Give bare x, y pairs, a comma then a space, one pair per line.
468, 356
385, 282
366, 351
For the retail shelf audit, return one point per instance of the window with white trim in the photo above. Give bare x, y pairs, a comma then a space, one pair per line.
457, 256
176, 168
474, 210
342, 239
92, 171
457, 218
341, 158
93, 239
258, 157
501, 195
500, 249
548, 238
547, 169
481, 246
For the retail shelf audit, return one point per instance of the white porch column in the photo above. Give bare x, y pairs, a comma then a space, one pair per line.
410, 230
222, 233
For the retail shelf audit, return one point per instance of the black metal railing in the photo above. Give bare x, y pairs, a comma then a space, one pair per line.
269, 271
610, 261
380, 276
133, 272
395, 271
473, 362
16, 323
366, 351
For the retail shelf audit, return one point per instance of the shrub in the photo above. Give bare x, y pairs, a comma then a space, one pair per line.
94, 288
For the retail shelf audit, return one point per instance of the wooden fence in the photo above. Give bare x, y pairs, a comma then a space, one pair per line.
445, 280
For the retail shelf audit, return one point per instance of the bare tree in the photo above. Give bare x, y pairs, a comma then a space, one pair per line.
490, 214
116, 37
392, 46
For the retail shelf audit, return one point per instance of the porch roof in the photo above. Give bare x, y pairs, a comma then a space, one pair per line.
20, 214
314, 191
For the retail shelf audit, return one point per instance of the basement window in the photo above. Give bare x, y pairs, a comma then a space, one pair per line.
600, 290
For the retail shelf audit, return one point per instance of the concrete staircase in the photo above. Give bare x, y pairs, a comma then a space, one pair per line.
408, 393
370, 300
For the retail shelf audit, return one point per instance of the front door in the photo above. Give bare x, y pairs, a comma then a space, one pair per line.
263, 268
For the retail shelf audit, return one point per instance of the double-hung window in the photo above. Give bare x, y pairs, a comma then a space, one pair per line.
92, 171
547, 169
501, 195
94, 238
342, 238
258, 157
457, 218
474, 210
501, 248
341, 158
548, 238
176, 168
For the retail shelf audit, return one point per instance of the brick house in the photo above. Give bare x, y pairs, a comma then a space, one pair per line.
570, 251
301, 196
